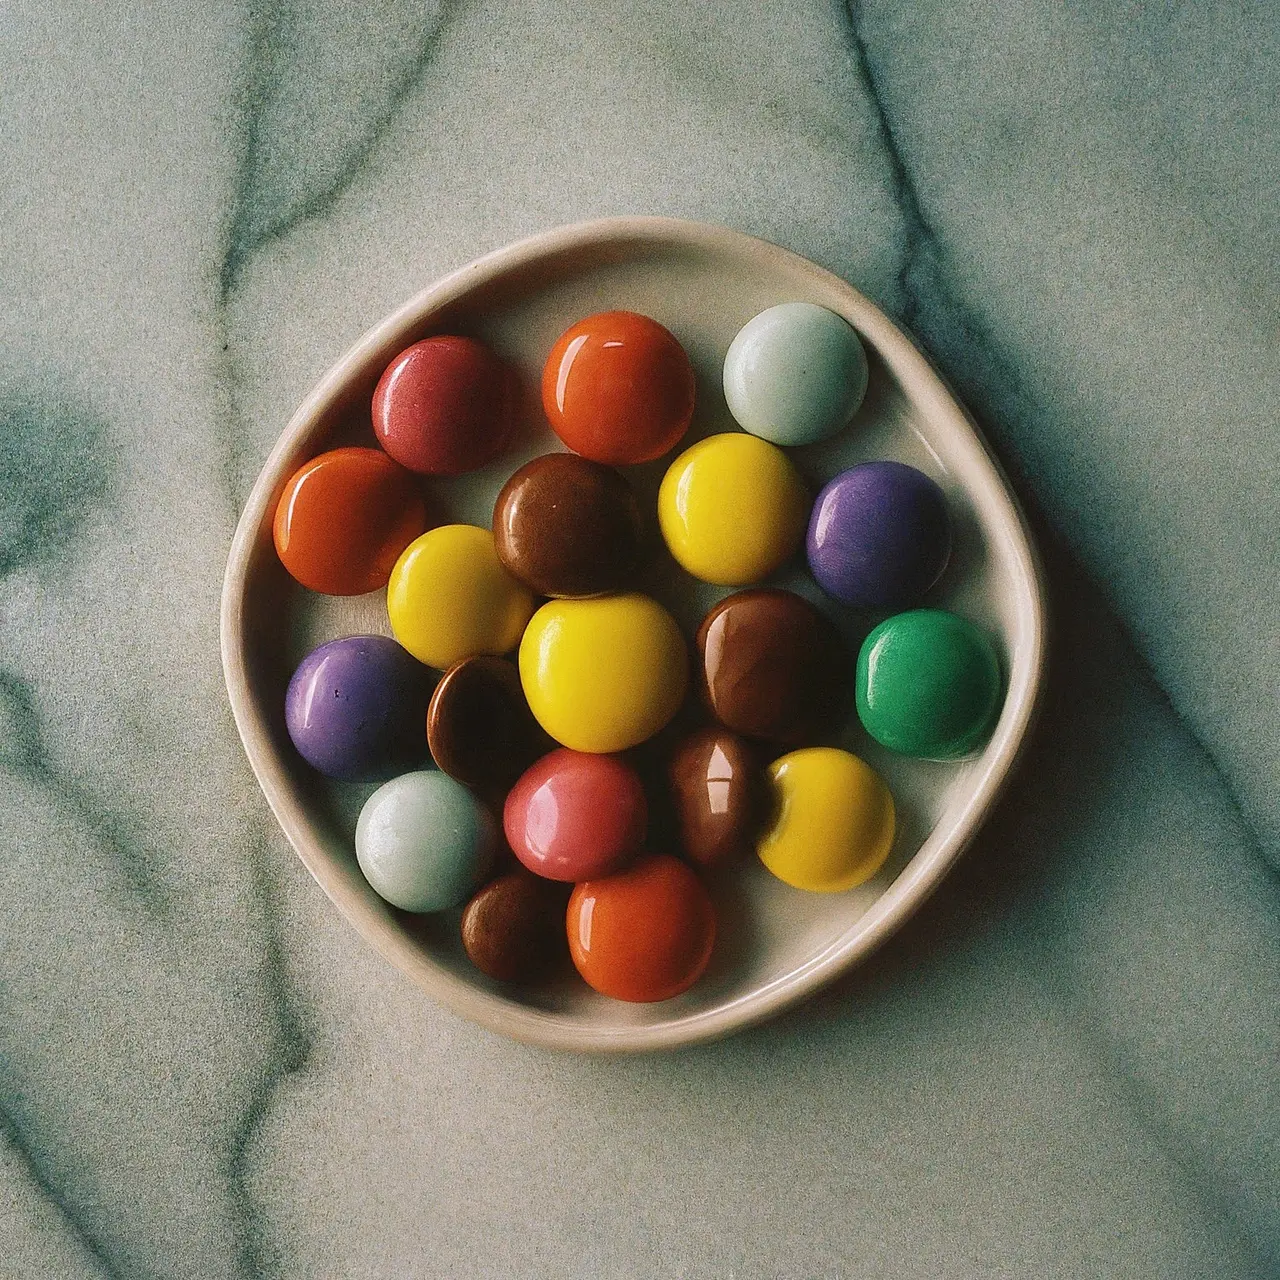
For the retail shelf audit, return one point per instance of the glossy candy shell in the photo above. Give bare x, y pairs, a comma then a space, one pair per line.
569, 527
832, 821
344, 518
449, 597
513, 928
424, 842
644, 934
355, 709
929, 685
618, 388
445, 406
479, 727
732, 509
795, 374
575, 816
718, 794
772, 666
879, 536
603, 675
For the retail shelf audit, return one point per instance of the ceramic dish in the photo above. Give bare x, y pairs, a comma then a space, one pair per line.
776, 944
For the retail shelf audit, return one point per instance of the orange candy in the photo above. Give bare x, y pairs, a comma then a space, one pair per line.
344, 518
643, 934
618, 388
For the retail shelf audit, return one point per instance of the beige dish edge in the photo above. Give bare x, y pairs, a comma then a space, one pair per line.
519, 267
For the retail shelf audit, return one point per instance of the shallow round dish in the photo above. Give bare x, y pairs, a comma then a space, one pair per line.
777, 944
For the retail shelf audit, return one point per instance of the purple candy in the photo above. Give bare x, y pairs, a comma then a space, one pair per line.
879, 536
356, 709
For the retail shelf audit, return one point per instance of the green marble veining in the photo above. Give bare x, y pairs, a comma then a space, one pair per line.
1065, 1066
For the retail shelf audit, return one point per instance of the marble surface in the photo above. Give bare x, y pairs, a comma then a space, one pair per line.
1066, 1066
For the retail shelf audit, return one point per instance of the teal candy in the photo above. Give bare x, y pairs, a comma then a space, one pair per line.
795, 374
424, 842
929, 685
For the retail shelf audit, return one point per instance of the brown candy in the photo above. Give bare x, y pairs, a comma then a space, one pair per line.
569, 527
479, 726
719, 796
514, 930
773, 667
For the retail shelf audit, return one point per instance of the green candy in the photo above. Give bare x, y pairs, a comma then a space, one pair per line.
929, 685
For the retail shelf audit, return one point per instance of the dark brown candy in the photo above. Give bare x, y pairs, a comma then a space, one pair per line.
719, 796
479, 726
773, 667
514, 928
569, 527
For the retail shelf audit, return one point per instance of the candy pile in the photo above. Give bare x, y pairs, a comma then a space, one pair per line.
540, 755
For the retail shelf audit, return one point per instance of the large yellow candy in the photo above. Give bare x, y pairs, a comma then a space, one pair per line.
732, 509
450, 598
603, 674
832, 823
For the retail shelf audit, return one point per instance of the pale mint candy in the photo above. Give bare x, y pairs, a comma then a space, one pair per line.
424, 842
795, 374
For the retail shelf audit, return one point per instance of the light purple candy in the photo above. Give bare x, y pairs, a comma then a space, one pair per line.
879, 536
356, 709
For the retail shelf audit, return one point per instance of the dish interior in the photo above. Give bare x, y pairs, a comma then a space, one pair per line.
775, 943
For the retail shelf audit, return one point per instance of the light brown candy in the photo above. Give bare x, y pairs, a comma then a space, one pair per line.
773, 667
718, 792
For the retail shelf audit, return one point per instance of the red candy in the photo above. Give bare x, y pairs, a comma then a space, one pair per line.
572, 815
618, 388
644, 934
445, 406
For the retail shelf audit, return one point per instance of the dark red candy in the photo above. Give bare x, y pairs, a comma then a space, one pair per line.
446, 405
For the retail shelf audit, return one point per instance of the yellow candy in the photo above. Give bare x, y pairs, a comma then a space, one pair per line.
732, 509
833, 820
603, 674
450, 598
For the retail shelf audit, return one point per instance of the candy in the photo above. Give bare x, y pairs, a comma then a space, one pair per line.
344, 518
879, 536
644, 934
446, 405
513, 929
449, 597
603, 675
569, 527
618, 388
575, 816
832, 824
795, 374
716, 786
355, 709
929, 685
732, 509
772, 667
424, 842
479, 727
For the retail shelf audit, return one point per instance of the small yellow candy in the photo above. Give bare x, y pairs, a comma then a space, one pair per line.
449, 597
732, 509
833, 820
603, 674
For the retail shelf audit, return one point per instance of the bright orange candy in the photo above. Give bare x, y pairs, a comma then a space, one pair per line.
618, 388
344, 518
643, 934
